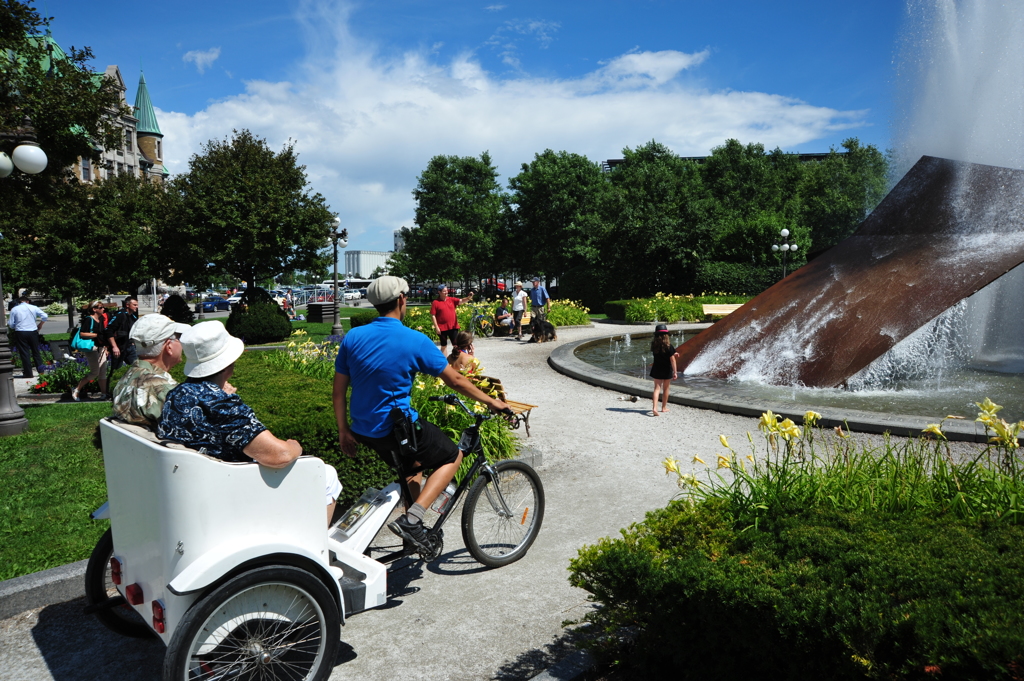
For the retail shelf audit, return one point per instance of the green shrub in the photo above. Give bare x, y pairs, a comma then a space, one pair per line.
419, 318
568, 313
177, 309
739, 277
362, 317
55, 309
811, 594
258, 319
616, 309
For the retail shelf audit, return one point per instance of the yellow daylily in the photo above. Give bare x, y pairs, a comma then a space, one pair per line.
788, 429
769, 422
988, 406
811, 417
697, 459
935, 429
724, 441
723, 462
671, 465
840, 433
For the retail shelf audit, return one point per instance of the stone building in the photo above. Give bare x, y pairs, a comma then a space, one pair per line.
141, 150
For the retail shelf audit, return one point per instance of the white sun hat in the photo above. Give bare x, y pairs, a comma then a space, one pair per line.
209, 348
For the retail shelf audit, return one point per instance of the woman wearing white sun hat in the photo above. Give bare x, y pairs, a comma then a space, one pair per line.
205, 411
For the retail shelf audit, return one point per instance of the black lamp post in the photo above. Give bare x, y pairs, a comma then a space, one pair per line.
785, 247
340, 237
28, 158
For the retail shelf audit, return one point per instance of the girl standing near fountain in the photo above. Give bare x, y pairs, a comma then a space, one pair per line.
664, 369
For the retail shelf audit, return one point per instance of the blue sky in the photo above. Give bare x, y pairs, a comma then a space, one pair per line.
371, 90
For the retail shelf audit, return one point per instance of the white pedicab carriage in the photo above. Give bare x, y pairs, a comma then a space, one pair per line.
230, 564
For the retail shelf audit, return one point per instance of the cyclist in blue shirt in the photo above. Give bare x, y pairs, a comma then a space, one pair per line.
379, 361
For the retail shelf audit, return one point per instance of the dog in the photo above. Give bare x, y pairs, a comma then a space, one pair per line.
541, 330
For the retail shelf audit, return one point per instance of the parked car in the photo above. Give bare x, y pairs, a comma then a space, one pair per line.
216, 303
235, 298
351, 294
362, 293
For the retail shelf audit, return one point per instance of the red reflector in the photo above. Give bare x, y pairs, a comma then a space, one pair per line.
158, 625
158, 617
115, 570
134, 594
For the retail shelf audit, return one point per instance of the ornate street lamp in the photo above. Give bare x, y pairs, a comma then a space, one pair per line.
785, 247
28, 158
340, 237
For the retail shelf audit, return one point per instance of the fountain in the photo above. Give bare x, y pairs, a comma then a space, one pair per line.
925, 294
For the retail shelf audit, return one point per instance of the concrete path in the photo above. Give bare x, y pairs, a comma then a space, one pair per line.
454, 619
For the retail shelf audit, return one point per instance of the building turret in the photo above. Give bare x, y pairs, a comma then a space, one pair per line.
150, 139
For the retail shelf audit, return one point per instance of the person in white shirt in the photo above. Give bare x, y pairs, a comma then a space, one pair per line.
518, 308
25, 321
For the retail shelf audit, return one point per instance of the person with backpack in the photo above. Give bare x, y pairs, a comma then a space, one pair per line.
122, 347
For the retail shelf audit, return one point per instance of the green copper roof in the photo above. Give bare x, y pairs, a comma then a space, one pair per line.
144, 109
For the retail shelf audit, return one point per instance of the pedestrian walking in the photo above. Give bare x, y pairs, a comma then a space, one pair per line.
91, 328
446, 322
25, 321
122, 347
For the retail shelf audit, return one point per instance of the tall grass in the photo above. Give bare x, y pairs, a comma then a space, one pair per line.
803, 470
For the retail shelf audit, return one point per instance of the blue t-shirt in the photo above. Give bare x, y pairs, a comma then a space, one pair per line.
539, 295
203, 415
381, 360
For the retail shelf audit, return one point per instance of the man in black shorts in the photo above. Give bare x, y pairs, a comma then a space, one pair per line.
379, 361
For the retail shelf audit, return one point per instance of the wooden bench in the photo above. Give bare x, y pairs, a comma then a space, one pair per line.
720, 310
521, 411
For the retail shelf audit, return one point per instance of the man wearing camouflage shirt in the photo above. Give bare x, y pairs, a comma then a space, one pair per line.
140, 394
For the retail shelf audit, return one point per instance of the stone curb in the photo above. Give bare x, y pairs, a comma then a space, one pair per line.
56, 585
563, 360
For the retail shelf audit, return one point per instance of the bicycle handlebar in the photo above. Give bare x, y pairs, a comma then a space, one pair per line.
453, 400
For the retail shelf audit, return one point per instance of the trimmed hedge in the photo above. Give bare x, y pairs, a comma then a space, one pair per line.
258, 319
736, 277
616, 309
812, 594
362, 317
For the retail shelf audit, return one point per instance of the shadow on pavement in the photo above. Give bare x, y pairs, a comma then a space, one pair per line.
76, 647
532, 662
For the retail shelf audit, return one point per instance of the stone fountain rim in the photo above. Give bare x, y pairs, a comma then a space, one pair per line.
563, 360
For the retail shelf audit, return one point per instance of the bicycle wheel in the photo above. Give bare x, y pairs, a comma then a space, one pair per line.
486, 328
499, 533
274, 622
122, 619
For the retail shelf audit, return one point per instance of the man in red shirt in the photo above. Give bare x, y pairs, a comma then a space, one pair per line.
442, 311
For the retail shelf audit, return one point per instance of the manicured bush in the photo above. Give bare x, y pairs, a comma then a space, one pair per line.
177, 309
258, 319
739, 277
616, 309
812, 594
362, 317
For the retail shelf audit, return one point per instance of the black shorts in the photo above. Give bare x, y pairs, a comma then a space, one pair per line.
433, 448
448, 335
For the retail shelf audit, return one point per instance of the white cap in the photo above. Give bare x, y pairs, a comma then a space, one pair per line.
154, 329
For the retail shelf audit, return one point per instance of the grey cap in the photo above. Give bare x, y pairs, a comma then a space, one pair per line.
385, 289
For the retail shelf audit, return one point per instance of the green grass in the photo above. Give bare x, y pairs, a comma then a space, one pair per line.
51, 479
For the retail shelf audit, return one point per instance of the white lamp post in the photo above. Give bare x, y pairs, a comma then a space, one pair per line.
340, 237
785, 247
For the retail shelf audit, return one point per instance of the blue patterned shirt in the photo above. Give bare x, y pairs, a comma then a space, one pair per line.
202, 415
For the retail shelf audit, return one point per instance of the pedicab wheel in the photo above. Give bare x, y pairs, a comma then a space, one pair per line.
486, 328
498, 533
275, 622
123, 618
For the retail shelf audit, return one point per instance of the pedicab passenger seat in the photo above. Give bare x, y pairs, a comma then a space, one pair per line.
181, 519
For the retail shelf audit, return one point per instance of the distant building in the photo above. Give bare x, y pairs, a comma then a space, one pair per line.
399, 241
362, 264
141, 150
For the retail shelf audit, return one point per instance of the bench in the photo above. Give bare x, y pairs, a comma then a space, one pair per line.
520, 410
716, 310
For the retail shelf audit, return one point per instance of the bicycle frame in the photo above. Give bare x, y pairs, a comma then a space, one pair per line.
470, 443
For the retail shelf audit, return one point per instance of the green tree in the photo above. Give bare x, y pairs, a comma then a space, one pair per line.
840, 191
458, 217
658, 223
557, 219
247, 210
53, 97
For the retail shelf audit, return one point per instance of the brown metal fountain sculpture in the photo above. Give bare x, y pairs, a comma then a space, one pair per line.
948, 229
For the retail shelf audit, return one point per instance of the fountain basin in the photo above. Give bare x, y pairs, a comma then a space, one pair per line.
720, 395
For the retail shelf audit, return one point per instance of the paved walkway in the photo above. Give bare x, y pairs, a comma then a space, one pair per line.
454, 619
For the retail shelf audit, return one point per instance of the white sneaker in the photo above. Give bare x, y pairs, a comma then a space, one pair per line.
74, 394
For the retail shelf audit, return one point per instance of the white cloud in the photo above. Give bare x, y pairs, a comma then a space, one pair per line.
203, 59
366, 125
494, 8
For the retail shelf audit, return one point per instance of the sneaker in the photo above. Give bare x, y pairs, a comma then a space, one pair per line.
410, 531
74, 394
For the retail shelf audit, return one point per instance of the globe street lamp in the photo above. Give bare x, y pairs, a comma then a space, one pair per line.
340, 237
28, 158
785, 247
